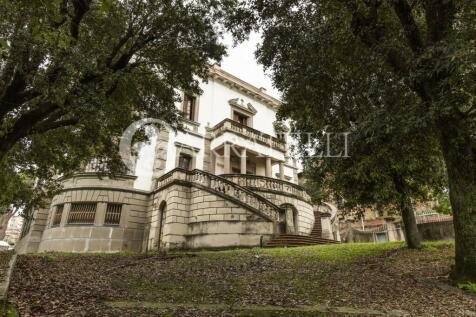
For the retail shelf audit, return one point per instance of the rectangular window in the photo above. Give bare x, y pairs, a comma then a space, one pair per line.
113, 214
189, 105
241, 118
57, 215
82, 213
185, 162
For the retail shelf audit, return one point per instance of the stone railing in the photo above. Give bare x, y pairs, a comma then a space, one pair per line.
262, 183
222, 186
248, 133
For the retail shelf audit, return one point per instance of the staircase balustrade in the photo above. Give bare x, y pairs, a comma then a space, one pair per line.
223, 186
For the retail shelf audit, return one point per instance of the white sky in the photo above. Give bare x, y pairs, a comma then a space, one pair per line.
241, 63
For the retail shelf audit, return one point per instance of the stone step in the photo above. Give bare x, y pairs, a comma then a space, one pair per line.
302, 241
297, 240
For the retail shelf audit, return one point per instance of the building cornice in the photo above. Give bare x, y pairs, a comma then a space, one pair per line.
250, 90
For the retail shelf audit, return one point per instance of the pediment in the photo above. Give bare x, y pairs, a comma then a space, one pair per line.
241, 105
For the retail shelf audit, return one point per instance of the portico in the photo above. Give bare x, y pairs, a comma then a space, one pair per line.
233, 159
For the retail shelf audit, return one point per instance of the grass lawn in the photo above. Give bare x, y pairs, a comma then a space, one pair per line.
328, 280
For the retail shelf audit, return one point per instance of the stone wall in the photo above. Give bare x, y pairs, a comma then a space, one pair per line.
128, 234
215, 222
197, 218
305, 209
31, 240
442, 230
189, 210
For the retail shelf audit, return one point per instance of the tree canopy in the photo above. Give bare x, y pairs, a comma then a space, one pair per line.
391, 71
75, 73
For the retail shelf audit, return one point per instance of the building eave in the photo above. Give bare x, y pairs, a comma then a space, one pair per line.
248, 89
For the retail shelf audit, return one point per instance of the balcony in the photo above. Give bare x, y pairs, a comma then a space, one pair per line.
246, 132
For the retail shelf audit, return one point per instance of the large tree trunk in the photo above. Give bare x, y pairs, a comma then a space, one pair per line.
412, 235
459, 150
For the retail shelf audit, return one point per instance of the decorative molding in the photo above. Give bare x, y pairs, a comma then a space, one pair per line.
256, 93
239, 104
187, 147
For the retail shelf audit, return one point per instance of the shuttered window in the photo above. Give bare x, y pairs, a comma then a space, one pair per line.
82, 213
113, 214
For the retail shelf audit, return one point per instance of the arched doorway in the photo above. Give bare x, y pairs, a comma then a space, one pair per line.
288, 219
162, 216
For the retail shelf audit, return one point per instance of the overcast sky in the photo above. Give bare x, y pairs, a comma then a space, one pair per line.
240, 62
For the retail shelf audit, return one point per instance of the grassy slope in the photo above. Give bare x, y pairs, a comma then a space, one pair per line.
373, 278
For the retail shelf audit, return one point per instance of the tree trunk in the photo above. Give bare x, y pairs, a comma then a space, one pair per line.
412, 235
4, 219
459, 151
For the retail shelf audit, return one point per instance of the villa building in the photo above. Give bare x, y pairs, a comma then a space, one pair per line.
226, 180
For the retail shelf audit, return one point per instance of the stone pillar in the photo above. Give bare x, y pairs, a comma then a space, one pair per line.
243, 161
391, 229
160, 159
207, 153
326, 225
295, 173
281, 170
226, 158
65, 214
100, 214
30, 242
213, 162
269, 170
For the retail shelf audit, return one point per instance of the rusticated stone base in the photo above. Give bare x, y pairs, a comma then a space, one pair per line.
188, 210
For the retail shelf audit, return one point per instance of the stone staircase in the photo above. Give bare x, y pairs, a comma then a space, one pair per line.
295, 240
223, 187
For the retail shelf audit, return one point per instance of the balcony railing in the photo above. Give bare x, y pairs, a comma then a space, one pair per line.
242, 130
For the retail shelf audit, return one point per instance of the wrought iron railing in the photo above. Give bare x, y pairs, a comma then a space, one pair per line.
82, 213
113, 214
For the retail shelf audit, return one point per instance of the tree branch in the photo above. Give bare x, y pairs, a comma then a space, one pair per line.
410, 28
24, 125
80, 9
439, 16
48, 126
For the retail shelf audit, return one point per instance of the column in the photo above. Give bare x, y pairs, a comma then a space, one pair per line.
226, 158
243, 161
281, 170
213, 162
65, 214
269, 170
295, 173
100, 214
